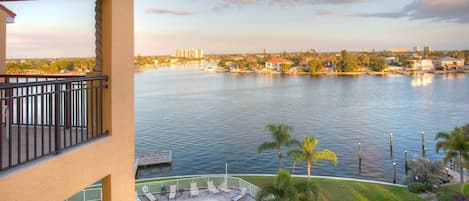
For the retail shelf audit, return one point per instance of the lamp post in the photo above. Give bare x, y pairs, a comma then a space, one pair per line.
394, 173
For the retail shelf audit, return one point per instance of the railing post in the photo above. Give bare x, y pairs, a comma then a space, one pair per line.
67, 106
57, 105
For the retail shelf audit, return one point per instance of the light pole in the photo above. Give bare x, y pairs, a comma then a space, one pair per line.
394, 173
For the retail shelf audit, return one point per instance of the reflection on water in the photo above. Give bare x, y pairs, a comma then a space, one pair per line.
210, 119
452, 76
422, 80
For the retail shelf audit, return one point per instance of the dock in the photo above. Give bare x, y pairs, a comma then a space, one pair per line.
153, 158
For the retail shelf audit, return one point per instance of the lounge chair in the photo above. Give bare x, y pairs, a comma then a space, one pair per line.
172, 192
223, 187
211, 188
148, 195
194, 190
137, 198
241, 195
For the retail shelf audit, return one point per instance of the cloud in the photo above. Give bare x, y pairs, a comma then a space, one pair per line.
225, 4
322, 12
291, 2
435, 10
168, 11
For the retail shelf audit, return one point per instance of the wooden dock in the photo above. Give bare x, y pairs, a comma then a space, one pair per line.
153, 158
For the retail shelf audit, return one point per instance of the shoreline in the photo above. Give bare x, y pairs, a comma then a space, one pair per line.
408, 73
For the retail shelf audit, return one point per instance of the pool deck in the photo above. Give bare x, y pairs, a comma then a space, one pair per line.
204, 195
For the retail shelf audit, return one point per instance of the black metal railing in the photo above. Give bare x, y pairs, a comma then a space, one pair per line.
45, 115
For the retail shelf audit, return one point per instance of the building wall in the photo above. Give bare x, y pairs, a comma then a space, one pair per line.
109, 159
3, 30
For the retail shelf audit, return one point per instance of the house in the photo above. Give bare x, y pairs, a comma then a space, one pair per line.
449, 63
103, 99
390, 60
275, 63
421, 65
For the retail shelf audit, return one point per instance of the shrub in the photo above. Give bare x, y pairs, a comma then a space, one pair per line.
416, 187
423, 170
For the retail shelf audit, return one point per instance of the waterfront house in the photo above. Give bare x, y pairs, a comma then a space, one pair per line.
87, 135
275, 63
421, 65
449, 63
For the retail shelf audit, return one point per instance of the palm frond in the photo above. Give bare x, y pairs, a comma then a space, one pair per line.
326, 155
442, 135
296, 155
266, 146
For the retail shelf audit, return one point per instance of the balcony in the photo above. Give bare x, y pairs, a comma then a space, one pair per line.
44, 115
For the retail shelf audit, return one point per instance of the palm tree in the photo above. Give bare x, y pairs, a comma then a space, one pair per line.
456, 146
284, 189
308, 154
281, 137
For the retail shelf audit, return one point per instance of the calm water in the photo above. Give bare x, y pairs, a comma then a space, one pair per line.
208, 119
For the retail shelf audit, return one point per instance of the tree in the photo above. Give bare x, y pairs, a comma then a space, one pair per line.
379, 64
314, 65
306, 152
425, 171
455, 146
284, 189
281, 137
347, 62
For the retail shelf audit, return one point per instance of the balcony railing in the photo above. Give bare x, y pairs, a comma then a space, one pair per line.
44, 115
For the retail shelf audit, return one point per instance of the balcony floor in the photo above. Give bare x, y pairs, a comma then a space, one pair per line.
42, 145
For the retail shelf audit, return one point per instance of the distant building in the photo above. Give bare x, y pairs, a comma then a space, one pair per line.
399, 50
190, 53
427, 48
390, 60
417, 49
421, 65
395, 68
274, 64
450, 63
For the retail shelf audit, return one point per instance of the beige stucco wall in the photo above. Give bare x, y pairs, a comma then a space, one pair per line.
3, 30
110, 158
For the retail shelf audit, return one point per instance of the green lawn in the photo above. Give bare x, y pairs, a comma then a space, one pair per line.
330, 189
454, 188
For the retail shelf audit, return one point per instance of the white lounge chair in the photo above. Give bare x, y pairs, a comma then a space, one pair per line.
211, 188
137, 198
194, 190
148, 195
223, 187
241, 195
172, 192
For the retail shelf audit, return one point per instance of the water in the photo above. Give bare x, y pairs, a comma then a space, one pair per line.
209, 119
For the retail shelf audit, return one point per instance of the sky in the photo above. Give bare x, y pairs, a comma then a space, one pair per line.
57, 28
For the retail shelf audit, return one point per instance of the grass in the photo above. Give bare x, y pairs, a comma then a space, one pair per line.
454, 189
330, 189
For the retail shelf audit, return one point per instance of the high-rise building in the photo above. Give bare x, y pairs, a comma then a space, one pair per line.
398, 50
427, 48
190, 53
417, 49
